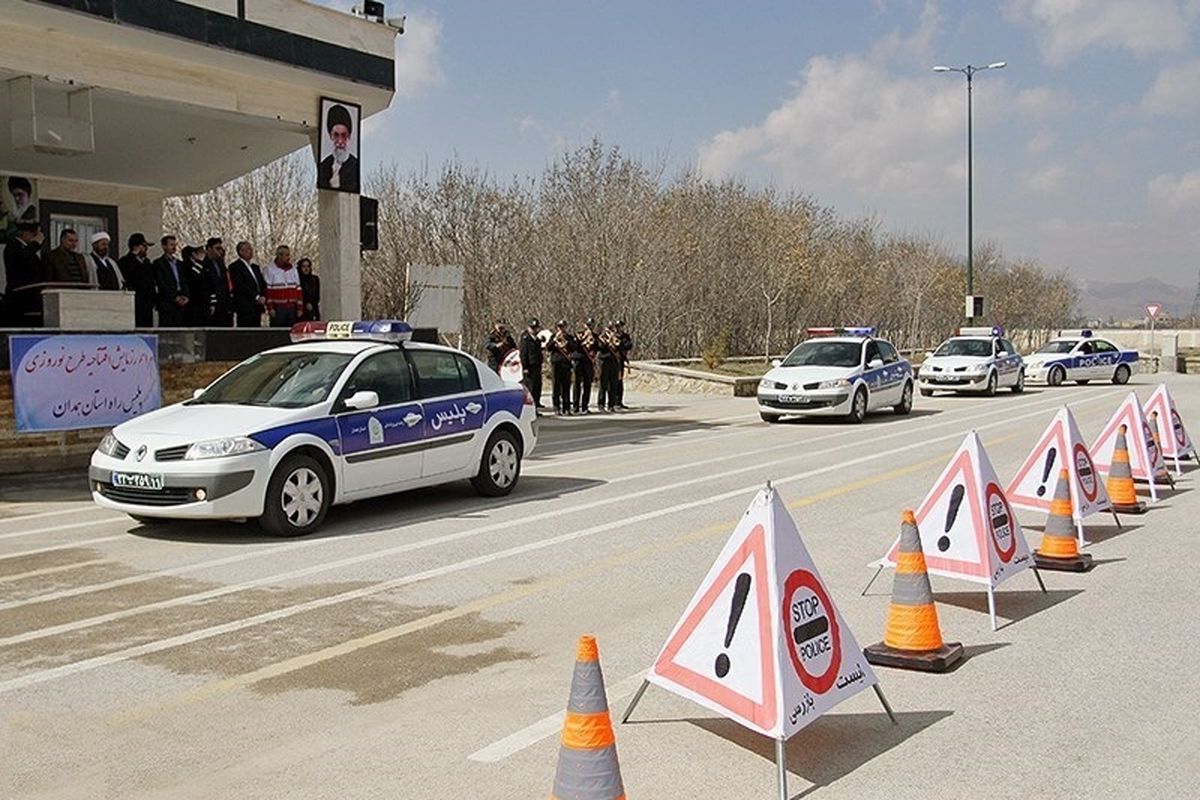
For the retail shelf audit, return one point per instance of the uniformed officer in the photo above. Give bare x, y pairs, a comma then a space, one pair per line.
531, 361
561, 345
609, 358
624, 347
583, 361
499, 343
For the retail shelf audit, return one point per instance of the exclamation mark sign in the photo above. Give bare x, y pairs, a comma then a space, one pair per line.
741, 591
1046, 470
956, 498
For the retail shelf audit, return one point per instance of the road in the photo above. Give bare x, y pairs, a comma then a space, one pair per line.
422, 645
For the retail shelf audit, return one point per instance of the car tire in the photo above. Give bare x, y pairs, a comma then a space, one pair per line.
770, 419
1019, 386
1121, 376
499, 466
927, 393
1056, 376
1084, 382
906, 400
143, 520
858, 407
298, 496
993, 381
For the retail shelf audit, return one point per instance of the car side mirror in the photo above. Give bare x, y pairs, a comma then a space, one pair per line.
874, 362
775, 362
196, 393
360, 401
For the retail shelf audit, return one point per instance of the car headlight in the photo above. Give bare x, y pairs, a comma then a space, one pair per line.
836, 383
766, 383
219, 448
108, 445
977, 369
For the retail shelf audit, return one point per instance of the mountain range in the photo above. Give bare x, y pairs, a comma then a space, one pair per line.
1121, 300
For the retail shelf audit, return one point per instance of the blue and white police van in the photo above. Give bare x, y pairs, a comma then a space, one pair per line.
843, 372
1078, 355
349, 410
973, 360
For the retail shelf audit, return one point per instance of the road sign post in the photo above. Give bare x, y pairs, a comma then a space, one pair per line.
1153, 309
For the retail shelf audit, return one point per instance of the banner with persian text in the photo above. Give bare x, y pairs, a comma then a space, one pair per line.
63, 383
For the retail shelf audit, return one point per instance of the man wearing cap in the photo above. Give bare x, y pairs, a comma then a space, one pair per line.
171, 283
339, 170
560, 347
22, 267
583, 362
65, 264
531, 361
624, 346
103, 267
138, 273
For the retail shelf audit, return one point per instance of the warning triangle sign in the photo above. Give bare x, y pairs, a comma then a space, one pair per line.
1172, 434
968, 529
761, 642
1145, 458
1060, 447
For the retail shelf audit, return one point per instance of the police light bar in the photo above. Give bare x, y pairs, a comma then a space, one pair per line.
860, 330
380, 330
995, 330
1084, 333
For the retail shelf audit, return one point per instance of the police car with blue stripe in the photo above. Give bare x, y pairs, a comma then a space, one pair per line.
349, 410
1081, 357
843, 372
974, 360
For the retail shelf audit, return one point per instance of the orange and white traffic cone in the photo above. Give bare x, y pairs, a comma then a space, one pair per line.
587, 760
1121, 491
1058, 549
913, 637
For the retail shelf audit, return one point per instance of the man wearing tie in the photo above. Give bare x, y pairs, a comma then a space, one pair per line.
249, 288
220, 314
172, 286
103, 267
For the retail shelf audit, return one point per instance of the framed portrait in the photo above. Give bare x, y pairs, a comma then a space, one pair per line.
18, 203
338, 165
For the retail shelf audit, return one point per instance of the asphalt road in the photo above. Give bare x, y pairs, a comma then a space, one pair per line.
421, 645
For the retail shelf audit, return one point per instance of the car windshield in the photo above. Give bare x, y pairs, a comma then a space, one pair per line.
1058, 346
966, 347
278, 380
825, 354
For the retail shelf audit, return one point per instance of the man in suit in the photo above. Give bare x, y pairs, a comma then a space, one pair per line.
339, 170
171, 283
220, 313
107, 274
65, 264
249, 288
200, 287
22, 267
138, 273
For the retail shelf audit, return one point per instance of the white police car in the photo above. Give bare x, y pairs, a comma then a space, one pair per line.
1081, 357
837, 372
974, 360
348, 411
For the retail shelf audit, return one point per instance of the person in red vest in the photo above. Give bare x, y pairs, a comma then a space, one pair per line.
285, 299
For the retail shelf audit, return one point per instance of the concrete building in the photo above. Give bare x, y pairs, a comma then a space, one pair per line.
111, 105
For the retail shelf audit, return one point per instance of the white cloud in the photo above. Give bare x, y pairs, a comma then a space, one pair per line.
1176, 90
1175, 193
1046, 179
1041, 142
418, 54
1068, 27
612, 101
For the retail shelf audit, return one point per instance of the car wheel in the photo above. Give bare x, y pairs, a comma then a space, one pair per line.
905, 404
770, 419
1121, 376
500, 466
1056, 376
858, 407
990, 391
297, 497
1019, 386
143, 520
1083, 382
927, 393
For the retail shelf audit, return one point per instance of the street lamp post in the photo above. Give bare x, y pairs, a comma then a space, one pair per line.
970, 70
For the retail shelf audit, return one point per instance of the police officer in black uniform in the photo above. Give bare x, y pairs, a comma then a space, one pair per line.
608, 357
499, 343
531, 361
624, 346
561, 344
583, 361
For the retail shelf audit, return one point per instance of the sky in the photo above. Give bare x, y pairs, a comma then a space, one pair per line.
1087, 144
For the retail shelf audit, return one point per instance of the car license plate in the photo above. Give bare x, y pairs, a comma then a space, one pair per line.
793, 398
137, 480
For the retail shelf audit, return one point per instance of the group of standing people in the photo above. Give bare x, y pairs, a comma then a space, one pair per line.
188, 287
577, 360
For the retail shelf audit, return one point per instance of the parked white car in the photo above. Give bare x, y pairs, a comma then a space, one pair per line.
974, 360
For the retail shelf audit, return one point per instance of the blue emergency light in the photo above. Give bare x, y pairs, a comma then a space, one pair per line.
860, 330
1084, 333
379, 330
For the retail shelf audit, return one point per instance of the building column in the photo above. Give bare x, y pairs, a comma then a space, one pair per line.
341, 260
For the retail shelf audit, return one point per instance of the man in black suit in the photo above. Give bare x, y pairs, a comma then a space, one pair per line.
340, 169
138, 274
170, 279
249, 288
199, 285
220, 312
22, 267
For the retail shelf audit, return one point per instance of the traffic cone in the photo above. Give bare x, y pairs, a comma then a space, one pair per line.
587, 760
913, 638
1058, 549
1121, 490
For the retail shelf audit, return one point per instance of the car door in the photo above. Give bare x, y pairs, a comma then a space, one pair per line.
875, 376
1084, 362
1007, 363
381, 446
454, 409
893, 372
1107, 356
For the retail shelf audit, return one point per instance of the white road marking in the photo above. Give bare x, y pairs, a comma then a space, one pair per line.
38, 515
96, 662
37, 573
67, 527
69, 546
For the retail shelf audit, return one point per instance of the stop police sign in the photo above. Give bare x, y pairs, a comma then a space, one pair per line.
814, 642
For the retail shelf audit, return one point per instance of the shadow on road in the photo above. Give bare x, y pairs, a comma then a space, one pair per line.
1012, 606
